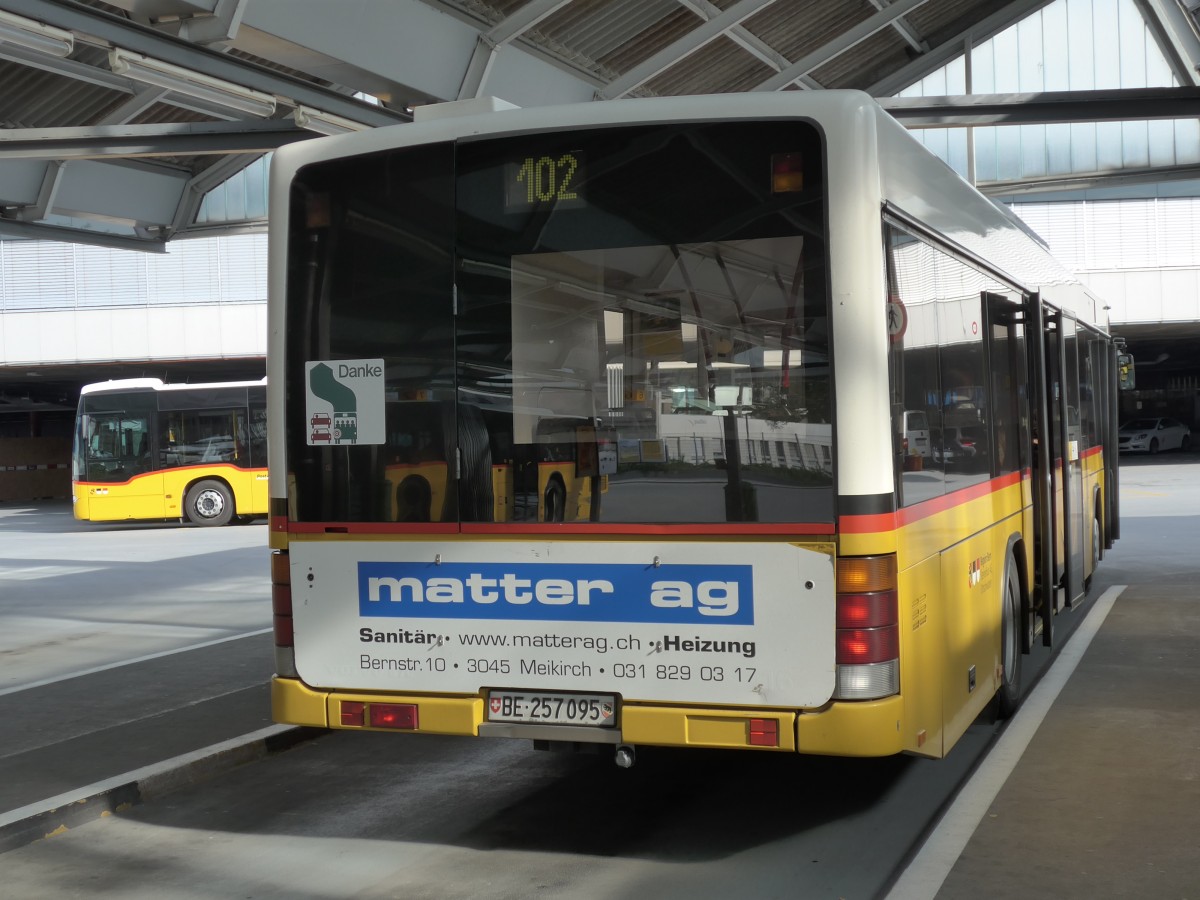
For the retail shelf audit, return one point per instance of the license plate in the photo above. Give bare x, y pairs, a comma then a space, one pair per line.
547, 708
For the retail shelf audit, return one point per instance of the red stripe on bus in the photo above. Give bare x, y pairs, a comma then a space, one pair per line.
372, 527
714, 528
873, 524
549, 530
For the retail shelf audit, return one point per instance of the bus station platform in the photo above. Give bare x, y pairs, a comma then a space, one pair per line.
1093, 788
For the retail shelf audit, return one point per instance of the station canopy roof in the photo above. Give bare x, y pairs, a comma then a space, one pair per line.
118, 118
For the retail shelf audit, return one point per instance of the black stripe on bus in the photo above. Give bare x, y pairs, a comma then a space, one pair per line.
866, 505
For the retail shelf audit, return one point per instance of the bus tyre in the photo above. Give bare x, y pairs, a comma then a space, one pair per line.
555, 501
209, 503
1008, 698
1087, 582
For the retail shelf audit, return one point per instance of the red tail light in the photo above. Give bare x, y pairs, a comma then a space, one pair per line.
867, 639
857, 646
281, 598
866, 610
393, 715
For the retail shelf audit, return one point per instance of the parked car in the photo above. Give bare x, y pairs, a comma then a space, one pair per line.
952, 444
1153, 434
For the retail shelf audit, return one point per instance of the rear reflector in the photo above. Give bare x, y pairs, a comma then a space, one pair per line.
764, 733
393, 715
353, 713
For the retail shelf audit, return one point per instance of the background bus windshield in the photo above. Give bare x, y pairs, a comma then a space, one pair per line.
641, 331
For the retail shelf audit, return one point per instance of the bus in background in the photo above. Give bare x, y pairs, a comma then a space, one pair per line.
148, 450
640, 394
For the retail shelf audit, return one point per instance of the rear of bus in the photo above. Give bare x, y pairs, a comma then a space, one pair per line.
638, 312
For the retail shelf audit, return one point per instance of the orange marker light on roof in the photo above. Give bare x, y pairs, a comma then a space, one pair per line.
787, 173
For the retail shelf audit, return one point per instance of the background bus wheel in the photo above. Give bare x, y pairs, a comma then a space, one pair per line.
209, 503
1008, 698
554, 503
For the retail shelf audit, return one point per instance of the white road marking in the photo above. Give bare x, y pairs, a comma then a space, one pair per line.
928, 871
34, 573
129, 662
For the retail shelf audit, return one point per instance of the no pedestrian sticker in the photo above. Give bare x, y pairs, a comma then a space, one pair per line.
897, 319
343, 402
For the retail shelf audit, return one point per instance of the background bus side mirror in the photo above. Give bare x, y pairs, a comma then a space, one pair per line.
1125, 372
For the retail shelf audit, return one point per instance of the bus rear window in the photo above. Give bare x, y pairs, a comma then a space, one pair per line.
624, 325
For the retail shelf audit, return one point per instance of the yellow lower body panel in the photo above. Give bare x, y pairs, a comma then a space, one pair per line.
437, 715
295, 703
866, 728
668, 726
871, 728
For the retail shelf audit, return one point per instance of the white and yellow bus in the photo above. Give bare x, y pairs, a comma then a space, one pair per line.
145, 450
649, 370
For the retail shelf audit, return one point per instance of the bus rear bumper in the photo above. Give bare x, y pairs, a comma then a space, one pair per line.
860, 728
866, 729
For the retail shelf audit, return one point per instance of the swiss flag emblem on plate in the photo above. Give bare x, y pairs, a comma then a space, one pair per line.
495, 702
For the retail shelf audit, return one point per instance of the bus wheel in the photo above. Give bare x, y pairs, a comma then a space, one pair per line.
555, 502
209, 503
1008, 698
1087, 582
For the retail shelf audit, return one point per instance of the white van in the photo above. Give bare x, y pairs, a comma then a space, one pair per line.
915, 431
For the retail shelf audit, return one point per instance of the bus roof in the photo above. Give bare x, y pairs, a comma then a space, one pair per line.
157, 384
880, 163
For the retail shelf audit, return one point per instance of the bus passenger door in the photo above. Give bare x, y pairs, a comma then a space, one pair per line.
1058, 467
1070, 440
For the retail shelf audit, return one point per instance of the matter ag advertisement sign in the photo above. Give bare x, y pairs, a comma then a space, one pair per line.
699, 622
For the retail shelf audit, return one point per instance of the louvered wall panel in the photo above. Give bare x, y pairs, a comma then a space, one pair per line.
45, 275
107, 278
243, 270
1178, 220
38, 275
